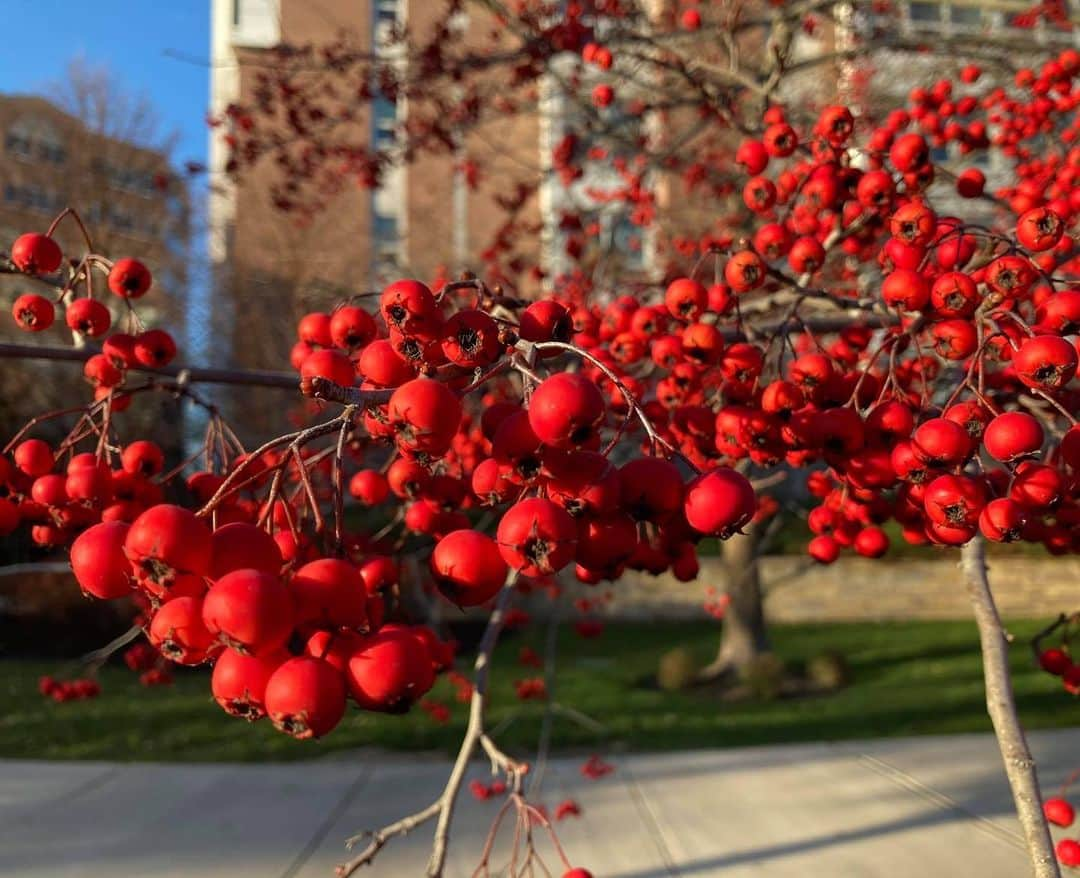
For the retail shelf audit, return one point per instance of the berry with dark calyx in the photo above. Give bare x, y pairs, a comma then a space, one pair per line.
129, 278
409, 307
88, 316
167, 545
178, 633
1045, 361
352, 328
154, 349
425, 415
537, 537
305, 697
33, 313
238, 682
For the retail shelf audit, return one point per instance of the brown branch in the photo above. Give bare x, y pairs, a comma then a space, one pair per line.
1001, 705
443, 807
194, 374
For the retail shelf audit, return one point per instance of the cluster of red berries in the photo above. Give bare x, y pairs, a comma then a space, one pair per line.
37, 254
1057, 662
290, 645
69, 690
1059, 812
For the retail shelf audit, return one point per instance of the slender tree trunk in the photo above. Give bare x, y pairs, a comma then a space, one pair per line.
744, 636
1000, 704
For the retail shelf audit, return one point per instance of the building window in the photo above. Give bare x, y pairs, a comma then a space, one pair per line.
29, 138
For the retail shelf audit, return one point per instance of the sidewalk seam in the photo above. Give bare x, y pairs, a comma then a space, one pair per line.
902, 779
649, 818
323, 829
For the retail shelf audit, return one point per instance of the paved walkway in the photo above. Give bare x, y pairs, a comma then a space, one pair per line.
922, 807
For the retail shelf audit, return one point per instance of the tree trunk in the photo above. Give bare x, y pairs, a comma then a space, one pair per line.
1000, 704
744, 636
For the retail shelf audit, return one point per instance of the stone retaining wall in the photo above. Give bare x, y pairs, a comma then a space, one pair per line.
856, 589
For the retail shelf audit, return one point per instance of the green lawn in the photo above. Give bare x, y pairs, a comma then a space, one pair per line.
909, 679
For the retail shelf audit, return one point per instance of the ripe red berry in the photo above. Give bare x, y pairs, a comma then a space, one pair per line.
352, 328
566, 410
329, 593
1059, 812
34, 457
369, 486
250, 611
167, 544
154, 348
905, 289
33, 313
577, 872
305, 697
1039, 229
98, 561
329, 364
468, 567
178, 633
1045, 361
1055, 661
537, 537
1068, 851
88, 316
238, 683
129, 278
719, 503
1002, 520
940, 442
471, 339
871, 542
390, 671
239, 545
686, 299
824, 549
425, 415
1012, 435
409, 307
33, 253
744, 271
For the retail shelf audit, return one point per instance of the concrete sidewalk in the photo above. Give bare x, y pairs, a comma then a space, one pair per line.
926, 807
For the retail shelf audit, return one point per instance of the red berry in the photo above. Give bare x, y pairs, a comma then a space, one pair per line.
1055, 661
33, 253
305, 697
537, 537
1059, 812
34, 457
250, 611
1012, 435
719, 503
88, 316
129, 278
178, 633
468, 567
390, 671
98, 561
352, 328
239, 681
566, 410
239, 545
329, 593
33, 313
1068, 851
425, 415
329, 364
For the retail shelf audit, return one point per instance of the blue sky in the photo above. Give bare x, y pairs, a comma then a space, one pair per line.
134, 38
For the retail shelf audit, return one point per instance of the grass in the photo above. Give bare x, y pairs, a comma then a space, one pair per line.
908, 679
